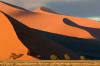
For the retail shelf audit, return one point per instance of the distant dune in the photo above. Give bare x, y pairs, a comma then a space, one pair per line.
41, 33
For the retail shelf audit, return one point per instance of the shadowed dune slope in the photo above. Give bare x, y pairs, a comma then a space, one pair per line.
44, 22
39, 44
9, 42
44, 33
37, 41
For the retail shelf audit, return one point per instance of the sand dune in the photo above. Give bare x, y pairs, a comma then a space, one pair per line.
45, 28
9, 42
44, 22
45, 10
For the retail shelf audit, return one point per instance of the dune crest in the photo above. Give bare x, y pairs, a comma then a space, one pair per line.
84, 21
45, 21
45, 10
43, 32
9, 42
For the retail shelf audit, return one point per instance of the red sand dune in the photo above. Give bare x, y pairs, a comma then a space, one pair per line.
9, 42
40, 19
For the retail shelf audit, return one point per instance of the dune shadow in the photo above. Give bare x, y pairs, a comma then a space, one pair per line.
43, 44
38, 44
93, 31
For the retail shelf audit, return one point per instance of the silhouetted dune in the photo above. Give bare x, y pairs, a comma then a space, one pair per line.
45, 35
39, 44
38, 41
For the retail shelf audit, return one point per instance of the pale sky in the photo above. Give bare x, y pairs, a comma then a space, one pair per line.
81, 8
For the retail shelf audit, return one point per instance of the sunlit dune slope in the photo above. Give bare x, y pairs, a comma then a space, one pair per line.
44, 32
9, 42
41, 20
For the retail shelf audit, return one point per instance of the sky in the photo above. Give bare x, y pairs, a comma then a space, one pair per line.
81, 8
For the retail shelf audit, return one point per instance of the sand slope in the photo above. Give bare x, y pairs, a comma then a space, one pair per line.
42, 21
43, 32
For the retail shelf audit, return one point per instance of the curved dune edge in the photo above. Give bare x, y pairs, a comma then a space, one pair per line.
44, 22
81, 21
85, 22
66, 26
9, 43
45, 10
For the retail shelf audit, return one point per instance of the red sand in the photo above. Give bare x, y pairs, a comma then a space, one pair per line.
9, 42
38, 19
